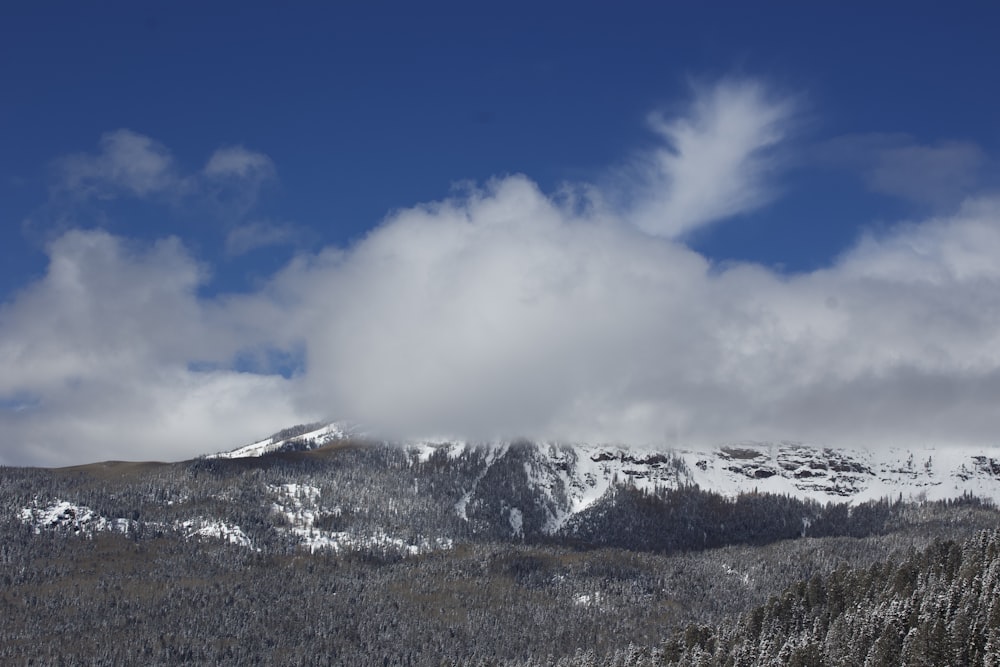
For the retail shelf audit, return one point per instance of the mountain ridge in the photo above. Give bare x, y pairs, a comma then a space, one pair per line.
800, 470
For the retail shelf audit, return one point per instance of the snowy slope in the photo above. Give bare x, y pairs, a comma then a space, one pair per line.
569, 478
310, 440
849, 475
536, 487
301, 506
67, 517
385, 501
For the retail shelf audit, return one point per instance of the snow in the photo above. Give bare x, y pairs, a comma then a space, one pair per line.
571, 478
547, 475
63, 515
424, 448
516, 522
321, 436
743, 577
67, 516
315, 540
215, 529
494, 453
848, 475
587, 599
300, 505
584, 473
574, 477
568, 479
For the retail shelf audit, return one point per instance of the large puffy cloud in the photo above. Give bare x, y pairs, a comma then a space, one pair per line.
497, 314
99, 307
113, 355
506, 311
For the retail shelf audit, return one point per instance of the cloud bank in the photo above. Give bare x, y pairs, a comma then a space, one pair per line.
506, 311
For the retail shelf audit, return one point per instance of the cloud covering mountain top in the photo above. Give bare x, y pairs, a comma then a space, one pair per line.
505, 310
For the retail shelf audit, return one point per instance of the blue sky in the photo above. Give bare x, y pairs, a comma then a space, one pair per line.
264, 156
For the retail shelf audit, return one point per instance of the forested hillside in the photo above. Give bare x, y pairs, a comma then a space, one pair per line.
939, 606
365, 553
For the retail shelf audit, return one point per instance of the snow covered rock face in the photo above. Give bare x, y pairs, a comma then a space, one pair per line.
847, 475
520, 482
66, 517
219, 530
417, 497
539, 487
793, 469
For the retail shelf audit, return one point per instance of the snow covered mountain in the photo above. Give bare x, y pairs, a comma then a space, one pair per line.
332, 487
538, 487
595, 527
568, 479
296, 438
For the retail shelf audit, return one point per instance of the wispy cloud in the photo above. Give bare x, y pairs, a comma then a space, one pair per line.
251, 236
238, 162
233, 178
128, 163
718, 160
938, 175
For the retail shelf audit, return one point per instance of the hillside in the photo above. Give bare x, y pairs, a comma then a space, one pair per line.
321, 544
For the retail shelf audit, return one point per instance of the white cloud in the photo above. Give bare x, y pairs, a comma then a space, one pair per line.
96, 360
507, 311
717, 161
98, 308
128, 163
506, 314
960, 248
